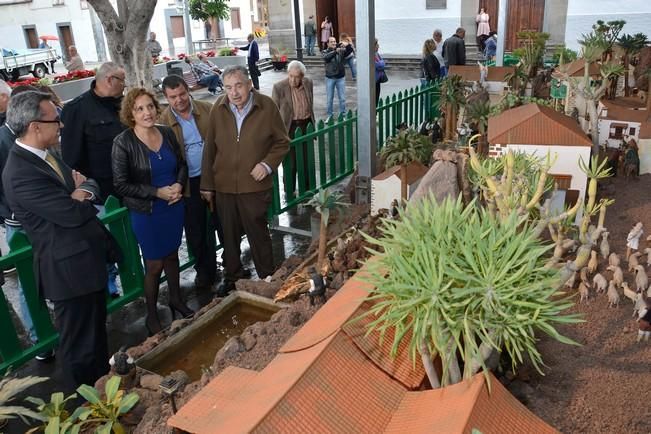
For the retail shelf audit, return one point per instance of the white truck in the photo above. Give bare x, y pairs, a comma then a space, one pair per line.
16, 63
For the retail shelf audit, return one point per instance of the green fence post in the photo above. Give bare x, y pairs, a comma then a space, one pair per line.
332, 154
349, 142
322, 155
311, 162
381, 111
341, 143
301, 170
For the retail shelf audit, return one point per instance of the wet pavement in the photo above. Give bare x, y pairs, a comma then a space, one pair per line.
126, 327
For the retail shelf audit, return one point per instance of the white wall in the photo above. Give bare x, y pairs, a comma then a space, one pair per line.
645, 155
604, 132
582, 14
402, 26
45, 17
566, 163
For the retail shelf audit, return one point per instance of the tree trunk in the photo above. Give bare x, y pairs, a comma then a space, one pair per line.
594, 125
626, 64
323, 238
126, 34
428, 364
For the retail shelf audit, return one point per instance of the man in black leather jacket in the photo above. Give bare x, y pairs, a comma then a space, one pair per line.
334, 57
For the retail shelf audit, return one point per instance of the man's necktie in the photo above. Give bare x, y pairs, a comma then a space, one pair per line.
53, 162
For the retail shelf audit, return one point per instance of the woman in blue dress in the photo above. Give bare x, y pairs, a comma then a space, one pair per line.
149, 172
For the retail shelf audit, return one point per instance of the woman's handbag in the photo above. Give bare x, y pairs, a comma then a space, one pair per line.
383, 77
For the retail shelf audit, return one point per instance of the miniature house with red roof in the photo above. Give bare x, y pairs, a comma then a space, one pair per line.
540, 130
496, 76
625, 118
331, 377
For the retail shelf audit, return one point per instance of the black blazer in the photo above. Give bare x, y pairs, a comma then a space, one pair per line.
132, 168
68, 240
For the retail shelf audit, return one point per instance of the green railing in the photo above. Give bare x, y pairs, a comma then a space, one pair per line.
331, 156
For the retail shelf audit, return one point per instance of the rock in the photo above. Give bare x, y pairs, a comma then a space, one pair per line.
249, 340
278, 316
148, 397
337, 281
640, 72
150, 381
440, 180
280, 274
231, 348
295, 319
522, 391
259, 287
179, 324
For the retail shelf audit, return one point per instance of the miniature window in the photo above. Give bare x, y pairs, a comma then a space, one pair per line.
616, 132
631, 132
436, 4
563, 182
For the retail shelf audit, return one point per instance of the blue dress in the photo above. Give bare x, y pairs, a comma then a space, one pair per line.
159, 233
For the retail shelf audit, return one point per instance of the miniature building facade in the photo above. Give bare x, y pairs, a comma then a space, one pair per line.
386, 187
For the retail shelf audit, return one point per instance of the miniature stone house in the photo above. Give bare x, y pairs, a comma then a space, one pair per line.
540, 130
495, 83
386, 186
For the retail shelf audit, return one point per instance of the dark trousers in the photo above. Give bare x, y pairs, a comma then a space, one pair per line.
245, 213
199, 233
290, 170
254, 72
83, 347
377, 92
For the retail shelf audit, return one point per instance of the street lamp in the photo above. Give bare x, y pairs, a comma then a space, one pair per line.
182, 8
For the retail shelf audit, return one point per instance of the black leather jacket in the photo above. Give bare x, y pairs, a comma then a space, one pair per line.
132, 168
335, 61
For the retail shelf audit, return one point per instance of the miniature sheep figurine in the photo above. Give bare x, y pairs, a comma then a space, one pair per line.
632, 261
613, 295
584, 275
584, 292
640, 306
641, 279
604, 247
633, 238
613, 259
648, 255
618, 274
592, 263
570, 282
599, 282
629, 293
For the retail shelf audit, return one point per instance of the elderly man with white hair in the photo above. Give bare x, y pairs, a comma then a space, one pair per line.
295, 99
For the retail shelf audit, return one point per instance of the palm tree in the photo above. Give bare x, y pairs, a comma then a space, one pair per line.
452, 99
630, 45
323, 202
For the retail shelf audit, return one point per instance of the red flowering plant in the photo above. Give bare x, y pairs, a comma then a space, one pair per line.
73, 75
181, 56
24, 82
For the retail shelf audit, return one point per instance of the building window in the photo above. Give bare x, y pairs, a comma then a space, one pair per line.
631, 132
57, 2
436, 4
235, 18
616, 132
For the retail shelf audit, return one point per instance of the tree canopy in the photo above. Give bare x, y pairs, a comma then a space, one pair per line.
205, 9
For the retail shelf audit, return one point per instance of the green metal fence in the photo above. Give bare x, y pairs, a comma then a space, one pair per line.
331, 150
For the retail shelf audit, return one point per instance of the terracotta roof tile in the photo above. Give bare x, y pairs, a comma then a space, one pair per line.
471, 72
401, 367
532, 124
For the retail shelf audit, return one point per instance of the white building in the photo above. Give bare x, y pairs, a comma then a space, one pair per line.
23, 22
540, 130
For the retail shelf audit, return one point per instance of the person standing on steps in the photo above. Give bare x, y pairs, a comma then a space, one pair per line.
149, 171
252, 60
309, 29
335, 60
326, 32
454, 48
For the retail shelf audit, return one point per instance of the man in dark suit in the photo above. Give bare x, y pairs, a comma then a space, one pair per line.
294, 97
252, 60
69, 242
454, 48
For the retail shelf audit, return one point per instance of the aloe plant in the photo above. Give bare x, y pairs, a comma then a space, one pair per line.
54, 414
9, 389
460, 284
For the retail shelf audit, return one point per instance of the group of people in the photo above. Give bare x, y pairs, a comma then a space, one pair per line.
168, 167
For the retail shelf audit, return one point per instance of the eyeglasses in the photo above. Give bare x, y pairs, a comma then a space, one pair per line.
119, 78
56, 120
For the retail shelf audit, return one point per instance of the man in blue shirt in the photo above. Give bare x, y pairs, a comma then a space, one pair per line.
189, 120
251, 59
206, 74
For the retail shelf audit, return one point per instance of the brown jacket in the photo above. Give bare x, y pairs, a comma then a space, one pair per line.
282, 96
228, 159
201, 113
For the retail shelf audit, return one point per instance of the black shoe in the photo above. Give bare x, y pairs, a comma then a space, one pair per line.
246, 273
45, 356
225, 287
203, 281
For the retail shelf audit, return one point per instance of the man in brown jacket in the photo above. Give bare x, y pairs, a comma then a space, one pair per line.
294, 97
189, 120
246, 142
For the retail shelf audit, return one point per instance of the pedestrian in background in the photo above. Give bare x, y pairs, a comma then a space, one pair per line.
380, 73
74, 62
93, 121
71, 246
430, 67
294, 97
335, 59
491, 46
189, 121
437, 35
149, 171
246, 142
309, 29
326, 32
454, 48
351, 60
252, 60
153, 46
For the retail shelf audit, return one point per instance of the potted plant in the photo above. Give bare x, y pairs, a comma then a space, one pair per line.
403, 148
